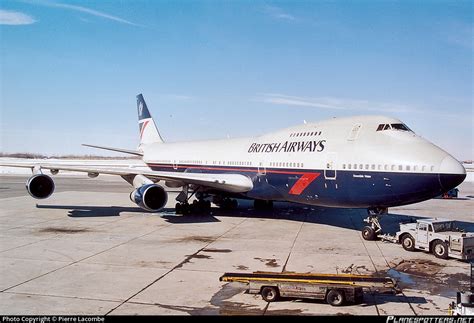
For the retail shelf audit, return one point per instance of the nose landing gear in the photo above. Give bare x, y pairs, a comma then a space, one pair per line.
373, 229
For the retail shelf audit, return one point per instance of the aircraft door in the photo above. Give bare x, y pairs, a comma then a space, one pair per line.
262, 170
354, 132
330, 171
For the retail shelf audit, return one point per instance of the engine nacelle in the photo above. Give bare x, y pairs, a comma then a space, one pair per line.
40, 186
150, 197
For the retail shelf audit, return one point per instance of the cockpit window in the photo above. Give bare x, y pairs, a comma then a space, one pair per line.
394, 126
400, 126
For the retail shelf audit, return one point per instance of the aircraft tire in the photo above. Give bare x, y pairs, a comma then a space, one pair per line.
368, 233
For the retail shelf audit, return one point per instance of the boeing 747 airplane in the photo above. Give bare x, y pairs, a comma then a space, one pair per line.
372, 162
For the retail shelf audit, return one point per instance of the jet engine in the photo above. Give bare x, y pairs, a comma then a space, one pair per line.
150, 197
40, 186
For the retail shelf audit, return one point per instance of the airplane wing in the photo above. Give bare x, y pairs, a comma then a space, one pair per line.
234, 183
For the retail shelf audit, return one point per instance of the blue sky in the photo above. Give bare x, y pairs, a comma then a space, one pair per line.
70, 70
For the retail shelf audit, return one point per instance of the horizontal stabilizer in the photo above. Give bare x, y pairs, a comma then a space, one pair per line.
125, 151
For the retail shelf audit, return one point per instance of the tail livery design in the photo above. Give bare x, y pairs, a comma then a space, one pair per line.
148, 131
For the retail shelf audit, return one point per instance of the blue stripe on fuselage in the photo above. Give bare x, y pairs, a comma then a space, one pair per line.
354, 189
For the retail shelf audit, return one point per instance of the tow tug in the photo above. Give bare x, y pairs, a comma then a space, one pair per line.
436, 235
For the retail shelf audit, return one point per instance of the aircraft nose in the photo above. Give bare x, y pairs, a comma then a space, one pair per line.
451, 173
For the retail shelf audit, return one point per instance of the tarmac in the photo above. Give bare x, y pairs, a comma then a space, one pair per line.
89, 250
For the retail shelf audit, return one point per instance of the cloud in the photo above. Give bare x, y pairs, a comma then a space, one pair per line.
8, 17
278, 13
85, 10
334, 103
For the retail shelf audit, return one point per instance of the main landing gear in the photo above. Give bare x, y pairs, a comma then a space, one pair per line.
262, 205
225, 203
201, 205
373, 229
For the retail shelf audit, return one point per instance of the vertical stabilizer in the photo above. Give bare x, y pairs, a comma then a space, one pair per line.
148, 131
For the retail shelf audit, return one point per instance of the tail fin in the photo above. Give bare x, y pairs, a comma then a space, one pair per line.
148, 131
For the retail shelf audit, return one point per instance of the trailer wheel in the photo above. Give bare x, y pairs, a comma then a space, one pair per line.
270, 294
440, 249
335, 297
368, 233
408, 242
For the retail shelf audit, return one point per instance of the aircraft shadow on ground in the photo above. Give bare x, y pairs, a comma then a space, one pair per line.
78, 211
343, 218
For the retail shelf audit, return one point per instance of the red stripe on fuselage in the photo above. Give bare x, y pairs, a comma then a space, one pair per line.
303, 182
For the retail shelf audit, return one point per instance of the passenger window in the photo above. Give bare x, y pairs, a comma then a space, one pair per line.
408, 167
355, 166
349, 166
415, 168
343, 166
380, 127
373, 167
432, 168
366, 166
393, 167
400, 167
386, 167
380, 167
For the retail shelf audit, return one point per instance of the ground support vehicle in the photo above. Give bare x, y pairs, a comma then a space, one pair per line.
335, 289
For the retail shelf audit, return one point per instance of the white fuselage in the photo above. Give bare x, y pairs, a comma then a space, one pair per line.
343, 151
